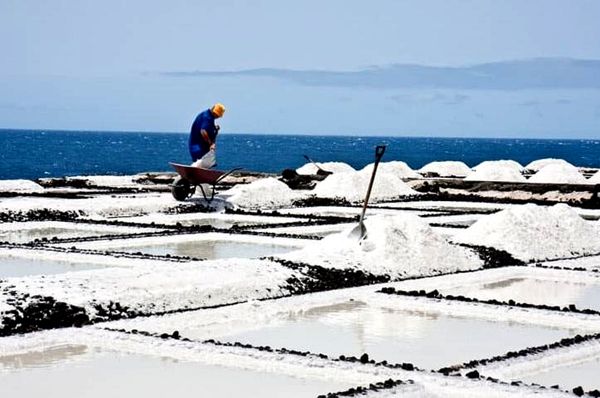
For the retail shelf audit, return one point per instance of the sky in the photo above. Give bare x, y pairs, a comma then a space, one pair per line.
326, 67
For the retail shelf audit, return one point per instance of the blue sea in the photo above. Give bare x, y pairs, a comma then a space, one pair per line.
34, 154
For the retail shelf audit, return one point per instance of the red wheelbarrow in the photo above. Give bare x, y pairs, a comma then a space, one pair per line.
190, 177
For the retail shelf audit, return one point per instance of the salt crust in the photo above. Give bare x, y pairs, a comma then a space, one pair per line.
161, 288
595, 179
334, 167
399, 245
395, 167
108, 180
448, 168
537, 165
558, 173
501, 170
20, 186
266, 192
532, 232
509, 164
352, 186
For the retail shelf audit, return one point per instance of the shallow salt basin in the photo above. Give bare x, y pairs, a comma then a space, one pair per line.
22, 232
76, 370
534, 290
568, 376
428, 339
316, 230
17, 267
215, 220
207, 246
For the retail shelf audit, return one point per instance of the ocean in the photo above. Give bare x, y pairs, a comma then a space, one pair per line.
34, 154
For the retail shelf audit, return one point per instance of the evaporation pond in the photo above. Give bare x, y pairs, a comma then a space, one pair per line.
426, 339
29, 234
76, 371
569, 376
209, 249
17, 267
529, 289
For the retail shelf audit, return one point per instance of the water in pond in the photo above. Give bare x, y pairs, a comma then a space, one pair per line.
16, 267
30, 234
427, 339
75, 371
535, 291
210, 249
583, 374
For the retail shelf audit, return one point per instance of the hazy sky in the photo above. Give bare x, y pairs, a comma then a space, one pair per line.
83, 64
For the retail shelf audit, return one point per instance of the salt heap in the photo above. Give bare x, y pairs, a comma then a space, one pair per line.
395, 167
334, 167
536, 165
558, 173
508, 164
531, 232
397, 245
266, 192
352, 186
498, 170
20, 186
447, 168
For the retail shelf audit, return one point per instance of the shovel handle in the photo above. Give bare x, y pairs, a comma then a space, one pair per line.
379, 151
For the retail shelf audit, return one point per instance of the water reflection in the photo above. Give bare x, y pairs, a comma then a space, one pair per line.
47, 357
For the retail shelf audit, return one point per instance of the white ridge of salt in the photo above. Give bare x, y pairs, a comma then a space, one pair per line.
400, 245
107, 180
266, 192
352, 186
537, 165
531, 232
20, 186
396, 167
500, 163
447, 168
333, 167
496, 171
558, 173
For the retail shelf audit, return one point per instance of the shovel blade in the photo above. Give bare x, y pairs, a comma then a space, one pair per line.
358, 233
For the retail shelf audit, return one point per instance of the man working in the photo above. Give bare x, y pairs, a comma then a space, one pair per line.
204, 131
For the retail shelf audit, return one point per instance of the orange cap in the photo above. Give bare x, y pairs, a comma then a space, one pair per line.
218, 109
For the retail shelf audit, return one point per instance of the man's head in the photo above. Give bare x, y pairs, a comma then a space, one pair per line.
217, 110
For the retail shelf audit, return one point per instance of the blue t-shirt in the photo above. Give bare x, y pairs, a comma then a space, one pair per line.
198, 146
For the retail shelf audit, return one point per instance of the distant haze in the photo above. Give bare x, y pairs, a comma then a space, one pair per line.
480, 68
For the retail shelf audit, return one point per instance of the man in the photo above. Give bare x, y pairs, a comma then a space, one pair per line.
204, 131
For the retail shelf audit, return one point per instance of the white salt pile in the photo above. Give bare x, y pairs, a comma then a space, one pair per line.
558, 173
395, 167
266, 192
399, 245
531, 232
333, 167
496, 171
537, 165
352, 186
20, 186
446, 168
500, 163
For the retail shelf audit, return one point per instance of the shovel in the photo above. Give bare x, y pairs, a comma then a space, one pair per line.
320, 170
360, 231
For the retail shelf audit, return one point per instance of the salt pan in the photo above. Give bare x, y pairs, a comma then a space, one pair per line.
447, 168
266, 192
396, 167
352, 186
399, 245
531, 232
334, 167
558, 173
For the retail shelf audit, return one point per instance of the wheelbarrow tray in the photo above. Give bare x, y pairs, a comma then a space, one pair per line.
198, 175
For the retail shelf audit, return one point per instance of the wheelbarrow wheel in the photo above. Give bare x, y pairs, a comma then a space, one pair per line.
181, 189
